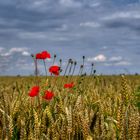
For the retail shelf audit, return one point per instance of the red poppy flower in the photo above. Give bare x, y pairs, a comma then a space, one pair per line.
34, 91
48, 95
43, 55
54, 70
70, 85
38, 56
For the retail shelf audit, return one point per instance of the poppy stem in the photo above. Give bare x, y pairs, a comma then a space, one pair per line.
60, 63
36, 75
32, 102
35, 64
65, 72
81, 70
91, 69
83, 60
54, 58
45, 67
70, 70
66, 67
36, 71
73, 69
37, 82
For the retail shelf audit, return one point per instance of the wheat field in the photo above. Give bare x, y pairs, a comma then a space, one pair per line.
97, 108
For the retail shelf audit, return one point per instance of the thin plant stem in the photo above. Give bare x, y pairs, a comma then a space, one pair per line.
54, 59
37, 82
73, 70
65, 73
45, 67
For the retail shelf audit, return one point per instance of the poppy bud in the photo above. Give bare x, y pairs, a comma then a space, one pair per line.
54, 55
75, 63
92, 64
32, 55
81, 66
60, 60
83, 57
70, 60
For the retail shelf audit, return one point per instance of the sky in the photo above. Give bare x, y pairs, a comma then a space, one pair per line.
106, 32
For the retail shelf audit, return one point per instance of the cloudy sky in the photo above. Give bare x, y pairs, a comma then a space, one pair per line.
106, 32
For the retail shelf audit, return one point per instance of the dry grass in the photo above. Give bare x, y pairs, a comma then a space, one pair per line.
98, 108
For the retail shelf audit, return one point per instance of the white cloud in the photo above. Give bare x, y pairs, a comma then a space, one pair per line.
127, 14
70, 3
115, 58
95, 4
44, 35
35, 5
39, 2
104, 47
122, 63
64, 27
90, 24
5, 54
25, 53
30, 35
11, 51
98, 58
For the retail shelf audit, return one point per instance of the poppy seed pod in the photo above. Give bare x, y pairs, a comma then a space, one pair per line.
75, 63
94, 71
32, 55
60, 60
81, 66
83, 57
70, 60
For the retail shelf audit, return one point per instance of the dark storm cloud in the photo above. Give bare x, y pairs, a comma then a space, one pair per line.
130, 24
28, 20
70, 28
